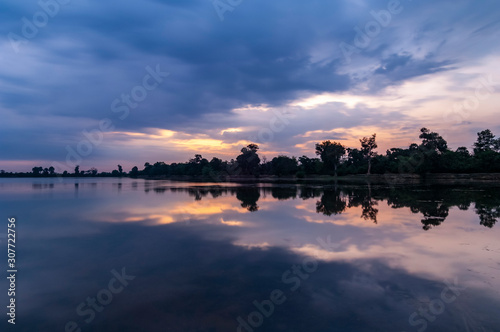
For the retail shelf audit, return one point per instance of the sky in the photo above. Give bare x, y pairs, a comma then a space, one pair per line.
101, 83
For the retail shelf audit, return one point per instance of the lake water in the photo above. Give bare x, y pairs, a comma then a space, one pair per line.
135, 255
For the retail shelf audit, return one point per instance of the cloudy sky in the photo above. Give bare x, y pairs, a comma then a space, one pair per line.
105, 82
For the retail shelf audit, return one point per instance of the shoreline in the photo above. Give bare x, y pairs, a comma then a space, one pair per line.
431, 178
438, 178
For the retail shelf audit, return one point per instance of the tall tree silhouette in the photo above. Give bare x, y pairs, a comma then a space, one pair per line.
485, 142
330, 154
368, 144
248, 161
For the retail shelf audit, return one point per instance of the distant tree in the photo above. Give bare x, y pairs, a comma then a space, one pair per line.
214, 169
355, 161
330, 154
432, 141
134, 172
428, 157
216, 164
252, 146
248, 161
147, 168
368, 144
196, 165
51, 170
37, 170
197, 159
463, 151
310, 165
77, 170
485, 142
93, 171
120, 170
283, 165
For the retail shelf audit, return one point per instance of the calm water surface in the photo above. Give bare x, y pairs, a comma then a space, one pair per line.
170, 256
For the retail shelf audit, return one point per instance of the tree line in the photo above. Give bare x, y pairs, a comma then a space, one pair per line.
432, 155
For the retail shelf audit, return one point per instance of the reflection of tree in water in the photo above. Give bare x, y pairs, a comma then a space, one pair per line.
434, 214
197, 193
159, 190
369, 212
362, 197
284, 193
310, 192
433, 202
488, 209
488, 216
331, 203
429, 202
248, 197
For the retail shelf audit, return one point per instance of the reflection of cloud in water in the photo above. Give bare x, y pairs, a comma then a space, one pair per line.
185, 282
205, 273
397, 237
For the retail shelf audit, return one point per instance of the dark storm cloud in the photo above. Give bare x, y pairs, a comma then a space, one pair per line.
92, 52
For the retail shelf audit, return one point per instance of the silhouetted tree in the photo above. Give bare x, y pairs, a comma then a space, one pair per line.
485, 142
427, 157
134, 172
433, 141
216, 164
283, 165
37, 170
368, 144
310, 165
463, 151
248, 161
197, 159
330, 154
